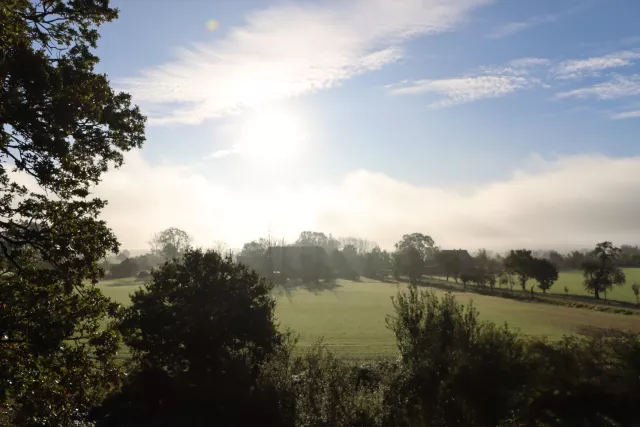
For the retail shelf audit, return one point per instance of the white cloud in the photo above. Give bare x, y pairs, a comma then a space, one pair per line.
576, 68
626, 115
288, 50
618, 87
487, 82
569, 202
525, 63
516, 27
465, 89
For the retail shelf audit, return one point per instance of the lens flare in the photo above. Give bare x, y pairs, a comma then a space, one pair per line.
212, 25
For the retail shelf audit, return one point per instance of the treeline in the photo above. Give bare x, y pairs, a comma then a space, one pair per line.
416, 255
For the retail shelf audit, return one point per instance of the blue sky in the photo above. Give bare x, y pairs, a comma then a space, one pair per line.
462, 119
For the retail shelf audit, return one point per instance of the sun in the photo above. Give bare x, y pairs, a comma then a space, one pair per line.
274, 136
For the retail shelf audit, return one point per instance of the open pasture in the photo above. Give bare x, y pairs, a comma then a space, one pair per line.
351, 315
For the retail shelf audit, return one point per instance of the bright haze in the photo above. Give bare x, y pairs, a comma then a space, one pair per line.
495, 124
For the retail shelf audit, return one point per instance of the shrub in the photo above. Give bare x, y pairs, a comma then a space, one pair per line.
456, 369
127, 268
317, 388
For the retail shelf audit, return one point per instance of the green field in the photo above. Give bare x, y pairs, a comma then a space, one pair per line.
573, 280
351, 316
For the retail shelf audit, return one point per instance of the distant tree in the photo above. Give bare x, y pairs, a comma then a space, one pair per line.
556, 259
221, 247
170, 243
123, 255
341, 266
256, 248
62, 126
519, 262
636, 291
312, 238
422, 243
449, 263
600, 272
362, 246
377, 264
575, 259
544, 272
198, 330
127, 268
466, 278
566, 291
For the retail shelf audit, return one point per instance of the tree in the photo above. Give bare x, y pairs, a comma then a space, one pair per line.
544, 272
62, 127
600, 272
377, 264
170, 243
519, 262
450, 263
127, 268
556, 259
412, 253
256, 248
198, 330
636, 291
422, 243
312, 238
123, 255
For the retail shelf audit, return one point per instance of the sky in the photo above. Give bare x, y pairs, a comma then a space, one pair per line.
495, 124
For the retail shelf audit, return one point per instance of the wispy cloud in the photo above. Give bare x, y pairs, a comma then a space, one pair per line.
618, 87
626, 115
465, 89
288, 50
488, 82
576, 68
516, 27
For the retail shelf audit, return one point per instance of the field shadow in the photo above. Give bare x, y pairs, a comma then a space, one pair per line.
287, 287
125, 283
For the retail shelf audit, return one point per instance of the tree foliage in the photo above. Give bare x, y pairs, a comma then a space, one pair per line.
170, 243
198, 331
601, 272
520, 262
544, 272
61, 128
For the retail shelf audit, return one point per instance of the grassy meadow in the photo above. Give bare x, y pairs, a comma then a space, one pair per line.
351, 316
572, 279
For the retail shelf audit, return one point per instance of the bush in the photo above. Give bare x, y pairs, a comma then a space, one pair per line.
318, 389
127, 268
456, 369
199, 331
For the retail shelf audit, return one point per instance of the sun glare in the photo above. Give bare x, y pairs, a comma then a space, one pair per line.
272, 136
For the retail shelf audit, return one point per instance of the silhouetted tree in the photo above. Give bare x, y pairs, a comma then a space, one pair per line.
556, 259
600, 272
519, 262
123, 255
544, 272
61, 127
198, 331
636, 291
377, 264
170, 243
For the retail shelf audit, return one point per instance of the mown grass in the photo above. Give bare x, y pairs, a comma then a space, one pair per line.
351, 316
